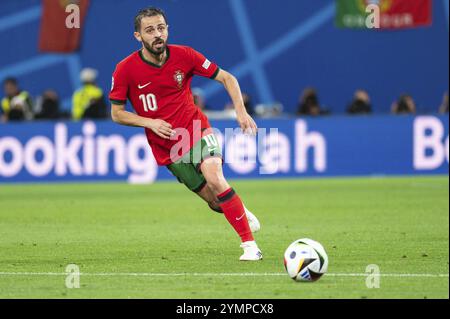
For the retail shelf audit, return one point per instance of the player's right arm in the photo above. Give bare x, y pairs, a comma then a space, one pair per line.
123, 117
118, 97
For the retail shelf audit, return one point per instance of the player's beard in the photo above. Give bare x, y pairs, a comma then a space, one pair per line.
153, 50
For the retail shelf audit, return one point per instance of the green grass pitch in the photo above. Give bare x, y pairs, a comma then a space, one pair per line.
161, 241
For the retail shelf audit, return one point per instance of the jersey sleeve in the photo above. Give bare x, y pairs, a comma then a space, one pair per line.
119, 87
202, 66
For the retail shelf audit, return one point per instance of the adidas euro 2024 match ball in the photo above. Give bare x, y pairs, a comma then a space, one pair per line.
305, 260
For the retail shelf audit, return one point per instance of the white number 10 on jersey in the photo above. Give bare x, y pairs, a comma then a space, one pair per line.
149, 102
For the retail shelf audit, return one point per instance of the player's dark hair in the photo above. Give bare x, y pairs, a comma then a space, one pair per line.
10, 80
147, 12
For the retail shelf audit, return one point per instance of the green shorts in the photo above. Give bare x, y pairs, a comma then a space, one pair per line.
187, 168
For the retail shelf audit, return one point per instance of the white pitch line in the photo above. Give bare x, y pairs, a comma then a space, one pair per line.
208, 274
389, 275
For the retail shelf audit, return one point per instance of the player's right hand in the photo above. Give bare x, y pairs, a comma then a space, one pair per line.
247, 124
161, 128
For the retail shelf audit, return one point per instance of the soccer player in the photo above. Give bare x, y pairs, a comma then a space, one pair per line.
157, 81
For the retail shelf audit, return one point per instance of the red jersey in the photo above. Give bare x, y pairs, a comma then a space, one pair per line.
163, 92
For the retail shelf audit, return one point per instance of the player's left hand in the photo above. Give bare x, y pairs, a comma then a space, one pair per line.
247, 124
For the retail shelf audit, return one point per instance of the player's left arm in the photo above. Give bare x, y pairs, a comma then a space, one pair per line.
231, 84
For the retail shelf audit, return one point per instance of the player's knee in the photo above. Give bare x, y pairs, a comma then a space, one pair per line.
212, 170
215, 162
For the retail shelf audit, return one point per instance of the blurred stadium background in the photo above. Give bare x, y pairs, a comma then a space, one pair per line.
275, 50
278, 50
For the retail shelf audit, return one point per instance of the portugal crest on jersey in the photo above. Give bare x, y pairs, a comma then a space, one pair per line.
179, 77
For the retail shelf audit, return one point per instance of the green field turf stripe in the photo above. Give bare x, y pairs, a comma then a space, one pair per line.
208, 274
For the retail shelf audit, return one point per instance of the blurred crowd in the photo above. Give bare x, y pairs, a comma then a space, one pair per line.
90, 102
361, 104
309, 104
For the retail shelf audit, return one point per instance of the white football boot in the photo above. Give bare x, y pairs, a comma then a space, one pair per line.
253, 222
251, 251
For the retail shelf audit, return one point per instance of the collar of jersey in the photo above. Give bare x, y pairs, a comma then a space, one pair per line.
153, 64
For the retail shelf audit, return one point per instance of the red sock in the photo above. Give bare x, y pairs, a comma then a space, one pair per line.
234, 211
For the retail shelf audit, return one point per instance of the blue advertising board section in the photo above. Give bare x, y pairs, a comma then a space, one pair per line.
338, 146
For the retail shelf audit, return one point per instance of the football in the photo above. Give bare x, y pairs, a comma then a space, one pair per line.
305, 260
